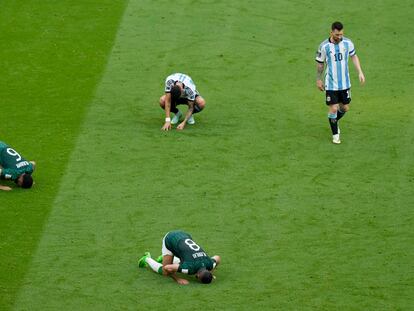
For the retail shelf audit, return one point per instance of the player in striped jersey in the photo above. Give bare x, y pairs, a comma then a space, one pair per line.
180, 90
335, 53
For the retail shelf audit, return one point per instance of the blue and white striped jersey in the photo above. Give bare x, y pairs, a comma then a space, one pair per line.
190, 90
336, 57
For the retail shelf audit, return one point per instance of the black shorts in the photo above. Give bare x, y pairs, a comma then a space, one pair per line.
335, 97
181, 101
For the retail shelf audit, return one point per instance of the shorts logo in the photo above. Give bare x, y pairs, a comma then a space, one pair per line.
328, 98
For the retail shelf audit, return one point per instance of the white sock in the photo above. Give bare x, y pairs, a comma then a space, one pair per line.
155, 266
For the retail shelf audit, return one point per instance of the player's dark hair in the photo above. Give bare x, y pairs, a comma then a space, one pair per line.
27, 181
205, 276
175, 92
337, 26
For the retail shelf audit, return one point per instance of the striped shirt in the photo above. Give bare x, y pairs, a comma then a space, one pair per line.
336, 57
190, 90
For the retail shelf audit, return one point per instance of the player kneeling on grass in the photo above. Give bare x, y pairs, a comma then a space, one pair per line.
14, 167
180, 90
189, 259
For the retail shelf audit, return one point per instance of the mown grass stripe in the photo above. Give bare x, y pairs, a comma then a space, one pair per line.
51, 60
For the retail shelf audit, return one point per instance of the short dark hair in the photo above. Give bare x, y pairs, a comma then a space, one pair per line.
27, 181
175, 92
205, 276
337, 26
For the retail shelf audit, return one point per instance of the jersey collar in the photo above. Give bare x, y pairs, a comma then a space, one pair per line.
329, 39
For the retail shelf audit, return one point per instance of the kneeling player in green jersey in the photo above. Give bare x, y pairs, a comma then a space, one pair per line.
192, 259
14, 167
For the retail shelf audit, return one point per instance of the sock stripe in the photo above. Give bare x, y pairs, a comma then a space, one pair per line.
332, 115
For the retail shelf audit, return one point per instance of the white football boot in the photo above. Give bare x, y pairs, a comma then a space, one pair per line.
336, 139
176, 118
191, 120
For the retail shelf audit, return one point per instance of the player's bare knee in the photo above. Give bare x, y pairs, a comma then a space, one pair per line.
162, 101
165, 271
333, 109
167, 260
201, 103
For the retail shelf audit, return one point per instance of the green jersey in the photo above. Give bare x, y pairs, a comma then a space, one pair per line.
12, 163
192, 256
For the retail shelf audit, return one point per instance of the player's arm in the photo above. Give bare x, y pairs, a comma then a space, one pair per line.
8, 173
320, 66
5, 188
357, 65
171, 270
189, 113
167, 108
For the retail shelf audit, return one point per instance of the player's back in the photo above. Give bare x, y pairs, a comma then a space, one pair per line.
183, 246
3, 145
12, 162
173, 239
3, 153
182, 77
192, 256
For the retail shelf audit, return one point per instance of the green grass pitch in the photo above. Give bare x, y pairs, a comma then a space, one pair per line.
300, 223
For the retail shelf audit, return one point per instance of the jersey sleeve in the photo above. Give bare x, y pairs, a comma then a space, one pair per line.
184, 268
9, 173
169, 83
320, 54
351, 48
214, 263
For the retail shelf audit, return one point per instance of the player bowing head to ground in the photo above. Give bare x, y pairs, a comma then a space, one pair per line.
181, 254
180, 90
14, 167
335, 52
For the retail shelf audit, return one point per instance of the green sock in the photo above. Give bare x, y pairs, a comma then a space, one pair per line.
155, 266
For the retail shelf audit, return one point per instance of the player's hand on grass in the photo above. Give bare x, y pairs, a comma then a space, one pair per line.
5, 188
319, 84
180, 126
167, 126
182, 281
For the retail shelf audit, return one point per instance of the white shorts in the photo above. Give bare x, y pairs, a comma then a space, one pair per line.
165, 250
